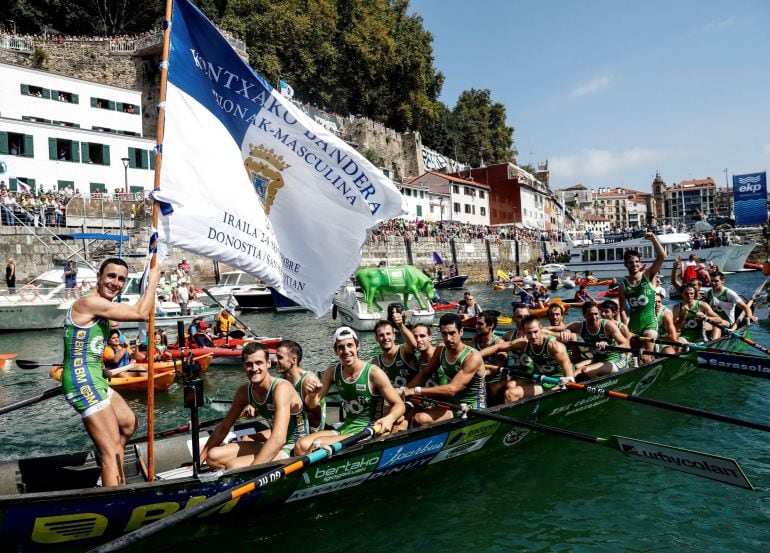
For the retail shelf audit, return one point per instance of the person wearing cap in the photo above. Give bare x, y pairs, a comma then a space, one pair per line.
274, 399
724, 300
201, 338
362, 387
600, 334
638, 291
583, 294
224, 323
464, 369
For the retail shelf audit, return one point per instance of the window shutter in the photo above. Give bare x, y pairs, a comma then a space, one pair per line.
75, 150
84, 148
46, 93
75, 99
119, 106
93, 102
111, 105
55, 95
29, 150
105, 154
25, 89
52, 149
152, 160
31, 183
12, 183
132, 158
145, 163
3, 142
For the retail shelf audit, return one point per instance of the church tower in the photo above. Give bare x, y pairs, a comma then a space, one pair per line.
659, 199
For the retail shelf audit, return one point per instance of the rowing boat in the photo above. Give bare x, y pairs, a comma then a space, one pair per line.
53, 500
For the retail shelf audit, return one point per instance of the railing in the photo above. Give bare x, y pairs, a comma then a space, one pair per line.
15, 42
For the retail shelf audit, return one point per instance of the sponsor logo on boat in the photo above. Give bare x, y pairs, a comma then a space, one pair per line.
719, 361
332, 472
471, 433
708, 466
466, 447
647, 380
515, 435
400, 468
412, 450
313, 491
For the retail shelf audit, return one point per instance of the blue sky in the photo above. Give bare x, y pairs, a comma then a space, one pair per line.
611, 91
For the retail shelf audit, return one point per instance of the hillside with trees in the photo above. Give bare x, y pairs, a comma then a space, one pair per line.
370, 58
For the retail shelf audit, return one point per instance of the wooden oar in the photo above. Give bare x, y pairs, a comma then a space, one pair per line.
244, 325
233, 493
647, 401
720, 361
49, 393
739, 336
705, 465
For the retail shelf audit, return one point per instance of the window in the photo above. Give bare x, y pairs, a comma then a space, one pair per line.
592, 255
610, 255
419, 211
602, 255
456, 207
16, 144
19, 184
141, 159
127, 108
97, 188
63, 150
422, 193
67, 97
105, 129
92, 152
36, 91
64, 184
35, 119
467, 208
102, 103
483, 211
455, 189
482, 194
407, 191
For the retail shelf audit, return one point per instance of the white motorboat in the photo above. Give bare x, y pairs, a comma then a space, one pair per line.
232, 283
349, 307
43, 303
605, 259
256, 297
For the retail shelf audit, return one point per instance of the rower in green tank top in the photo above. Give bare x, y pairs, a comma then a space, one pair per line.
599, 333
691, 314
464, 368
539, 353
360, 386
274, 399
638, 292
288, 356
396, 360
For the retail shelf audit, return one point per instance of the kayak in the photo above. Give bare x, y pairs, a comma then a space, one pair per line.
614, 293
204, 360
449, 306
161, 383
605, 282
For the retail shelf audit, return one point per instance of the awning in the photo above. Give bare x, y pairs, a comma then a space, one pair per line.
94, 236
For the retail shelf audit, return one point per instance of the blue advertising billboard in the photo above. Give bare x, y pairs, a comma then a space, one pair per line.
750, 196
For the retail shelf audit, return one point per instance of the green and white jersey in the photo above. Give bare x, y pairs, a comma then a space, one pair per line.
298, 423
360, 402
475, 393
599, 336
298, 388
724, 303
659, 318
641, 297
400, 371
692, 329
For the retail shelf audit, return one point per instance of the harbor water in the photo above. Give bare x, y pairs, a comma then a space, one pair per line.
553, 495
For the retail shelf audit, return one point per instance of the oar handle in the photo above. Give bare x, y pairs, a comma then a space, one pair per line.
739, 336
49, 393
619, 349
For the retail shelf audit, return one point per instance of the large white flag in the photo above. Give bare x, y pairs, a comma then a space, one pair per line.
253, 181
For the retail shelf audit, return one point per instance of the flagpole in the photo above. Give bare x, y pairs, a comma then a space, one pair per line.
154, 258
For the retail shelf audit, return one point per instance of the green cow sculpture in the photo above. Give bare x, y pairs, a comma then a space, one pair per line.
404, 279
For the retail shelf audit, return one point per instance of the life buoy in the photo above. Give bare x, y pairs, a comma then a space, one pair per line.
29, 292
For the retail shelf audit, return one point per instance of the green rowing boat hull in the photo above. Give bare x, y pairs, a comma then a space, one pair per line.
36, 513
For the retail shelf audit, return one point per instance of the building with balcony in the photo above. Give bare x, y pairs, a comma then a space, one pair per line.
685, 199
452, 198
58, 132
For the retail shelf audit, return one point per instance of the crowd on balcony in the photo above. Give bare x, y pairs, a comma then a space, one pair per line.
444, 230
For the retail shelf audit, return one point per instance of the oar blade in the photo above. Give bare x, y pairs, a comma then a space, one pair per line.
26, 364
705, 465
735, 364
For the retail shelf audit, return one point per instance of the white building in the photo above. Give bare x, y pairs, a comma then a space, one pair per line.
416, 200
59, 132
454, 199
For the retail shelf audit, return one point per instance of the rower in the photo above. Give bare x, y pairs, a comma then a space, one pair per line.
609, 310
690, 315
665, 317
485, 337
599, 333
360, 385
520, 312
463, 367
224, 322
425, 349
398, 361
288, 356
724, 300
537, 353
201, 338
274, 399
637, 289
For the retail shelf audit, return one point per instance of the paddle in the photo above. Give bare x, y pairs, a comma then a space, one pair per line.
49, 393
750, 303
739, 336
595, 390
503, 275
244, 325
705, 465
233, 493
717, 360
26, 365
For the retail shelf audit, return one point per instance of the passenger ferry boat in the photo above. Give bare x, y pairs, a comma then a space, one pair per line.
605, 259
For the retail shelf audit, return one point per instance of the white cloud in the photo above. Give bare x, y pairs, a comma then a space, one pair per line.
592, 86
597, 164
729, 22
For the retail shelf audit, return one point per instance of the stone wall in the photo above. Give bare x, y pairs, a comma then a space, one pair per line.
399, 153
